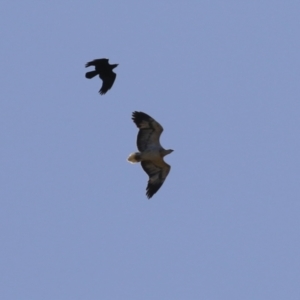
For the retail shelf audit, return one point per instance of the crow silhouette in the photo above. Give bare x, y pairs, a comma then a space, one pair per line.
105, 72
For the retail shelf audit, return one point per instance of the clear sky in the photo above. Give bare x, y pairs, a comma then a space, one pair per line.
222, 77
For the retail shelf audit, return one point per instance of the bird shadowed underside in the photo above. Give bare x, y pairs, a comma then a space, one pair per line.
105, 71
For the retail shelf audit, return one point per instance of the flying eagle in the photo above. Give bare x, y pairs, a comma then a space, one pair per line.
105, 72
151, 153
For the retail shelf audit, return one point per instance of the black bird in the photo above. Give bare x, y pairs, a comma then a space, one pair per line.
105, 72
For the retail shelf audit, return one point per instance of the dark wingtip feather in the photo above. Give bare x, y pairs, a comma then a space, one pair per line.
152, 189
138, 117
149, 195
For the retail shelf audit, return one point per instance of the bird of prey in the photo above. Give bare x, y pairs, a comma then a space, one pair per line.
105, 72
151, 155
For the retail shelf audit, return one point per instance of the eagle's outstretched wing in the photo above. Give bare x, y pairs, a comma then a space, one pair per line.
158, 172
149, 133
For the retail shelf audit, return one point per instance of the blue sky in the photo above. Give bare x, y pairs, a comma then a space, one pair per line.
222, 77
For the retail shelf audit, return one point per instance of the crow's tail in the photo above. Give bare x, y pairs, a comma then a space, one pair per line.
91, 74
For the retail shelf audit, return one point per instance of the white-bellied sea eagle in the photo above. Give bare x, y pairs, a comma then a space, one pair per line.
151, 155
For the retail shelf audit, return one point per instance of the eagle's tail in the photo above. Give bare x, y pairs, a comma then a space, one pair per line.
91, 74
134, 157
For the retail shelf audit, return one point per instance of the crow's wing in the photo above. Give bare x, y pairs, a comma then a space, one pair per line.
108, 81
97, 62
